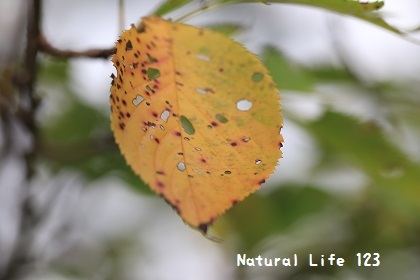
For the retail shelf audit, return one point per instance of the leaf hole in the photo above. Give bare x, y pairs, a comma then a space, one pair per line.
181, 166
134, 66
139, 99
244, 105
203, 57
165, 115
198, 171
200, 90
258, 161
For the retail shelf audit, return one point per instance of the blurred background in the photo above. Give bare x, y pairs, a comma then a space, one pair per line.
349, 180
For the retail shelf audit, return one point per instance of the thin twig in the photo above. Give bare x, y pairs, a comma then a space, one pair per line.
121, 12
46, 47
198, 11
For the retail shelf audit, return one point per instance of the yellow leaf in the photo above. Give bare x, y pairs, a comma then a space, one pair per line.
196, 116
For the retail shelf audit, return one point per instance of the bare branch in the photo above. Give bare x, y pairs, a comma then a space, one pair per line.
46, 47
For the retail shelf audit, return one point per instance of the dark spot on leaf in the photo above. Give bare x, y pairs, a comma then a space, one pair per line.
128, 46
221, 70
205, 226
155, 114
233, 144
262, 181
177, 133
191, 176
209, 90
214, 123
203, 160
157, 140
128, 115
124, 102
234, 201
160, 184
160, 172
148, 103
180, 153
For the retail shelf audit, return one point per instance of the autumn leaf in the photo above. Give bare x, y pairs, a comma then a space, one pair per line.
196, 116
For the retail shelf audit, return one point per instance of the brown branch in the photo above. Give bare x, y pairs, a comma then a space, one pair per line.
28, 103
29, 100
46, 47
